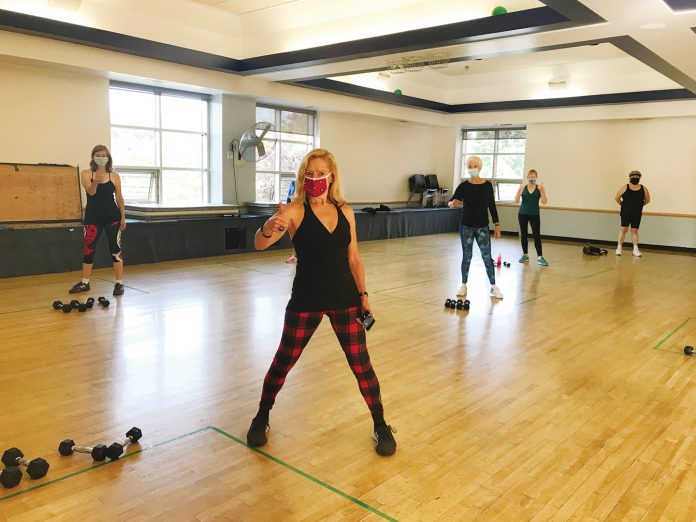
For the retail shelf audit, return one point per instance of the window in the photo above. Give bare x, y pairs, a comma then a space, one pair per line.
502, 153
159, 142
295, 135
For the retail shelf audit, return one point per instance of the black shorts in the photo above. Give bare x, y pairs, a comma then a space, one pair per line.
631, 219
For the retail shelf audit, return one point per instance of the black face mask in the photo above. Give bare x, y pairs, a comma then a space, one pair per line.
635, 180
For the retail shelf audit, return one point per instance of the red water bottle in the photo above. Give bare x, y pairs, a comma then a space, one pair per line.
500, 260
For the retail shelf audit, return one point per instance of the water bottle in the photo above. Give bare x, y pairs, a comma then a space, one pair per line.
500, 260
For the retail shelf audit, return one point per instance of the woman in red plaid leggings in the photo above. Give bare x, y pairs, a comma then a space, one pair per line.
322, 228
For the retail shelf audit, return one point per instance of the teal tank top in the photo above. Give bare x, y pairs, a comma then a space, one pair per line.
530, 202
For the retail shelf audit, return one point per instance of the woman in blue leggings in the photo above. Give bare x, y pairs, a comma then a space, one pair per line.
475, 196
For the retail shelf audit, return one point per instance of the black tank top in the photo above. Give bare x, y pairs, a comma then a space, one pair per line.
102, 208
323, 280
632, 200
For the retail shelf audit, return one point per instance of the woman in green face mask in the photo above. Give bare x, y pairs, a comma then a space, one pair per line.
105, 211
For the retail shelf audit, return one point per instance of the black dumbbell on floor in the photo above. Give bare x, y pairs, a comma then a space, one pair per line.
67, 447
57, 305
10, 476
115, 451
688, 350
83, 307
463, 305
103, 301
36, 468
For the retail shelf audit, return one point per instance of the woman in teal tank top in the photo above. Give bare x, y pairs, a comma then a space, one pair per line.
529, 213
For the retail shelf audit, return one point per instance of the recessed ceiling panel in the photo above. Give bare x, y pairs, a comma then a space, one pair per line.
681, 5
577, 71
240, 7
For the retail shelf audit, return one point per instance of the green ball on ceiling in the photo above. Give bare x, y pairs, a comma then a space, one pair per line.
498, 10
397, 91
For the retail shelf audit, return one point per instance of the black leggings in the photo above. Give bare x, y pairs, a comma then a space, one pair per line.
535, 221
92, 233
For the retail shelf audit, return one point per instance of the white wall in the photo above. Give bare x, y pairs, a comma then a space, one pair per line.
51, 116
377, 156
55, 112
582, 164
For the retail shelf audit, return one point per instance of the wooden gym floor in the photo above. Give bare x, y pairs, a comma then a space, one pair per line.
568, 400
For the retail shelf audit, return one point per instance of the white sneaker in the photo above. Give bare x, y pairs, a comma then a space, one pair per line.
462, 290
496, 293
636, 252
618, 251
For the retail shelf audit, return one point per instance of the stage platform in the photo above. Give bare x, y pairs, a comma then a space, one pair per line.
153, 212
41, 249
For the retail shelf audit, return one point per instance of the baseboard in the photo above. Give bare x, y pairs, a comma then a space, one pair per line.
668, 248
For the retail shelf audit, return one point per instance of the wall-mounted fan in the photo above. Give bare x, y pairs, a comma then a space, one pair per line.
254, 144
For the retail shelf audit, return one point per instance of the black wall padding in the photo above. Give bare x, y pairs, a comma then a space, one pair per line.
30, 251
406, 223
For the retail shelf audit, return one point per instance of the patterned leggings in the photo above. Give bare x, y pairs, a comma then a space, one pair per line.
298, 330
92, 233
483, 239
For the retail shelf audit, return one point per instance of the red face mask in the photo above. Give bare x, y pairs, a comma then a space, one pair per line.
317, 186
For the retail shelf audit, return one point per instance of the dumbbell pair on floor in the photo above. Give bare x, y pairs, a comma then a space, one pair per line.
81, 307
37, 468
458, 304
13, 458
100, 452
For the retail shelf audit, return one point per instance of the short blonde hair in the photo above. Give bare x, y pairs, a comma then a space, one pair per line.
476, 161
334, 189
532, 171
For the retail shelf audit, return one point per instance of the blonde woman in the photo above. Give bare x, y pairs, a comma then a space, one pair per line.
329, 280
475, 196
529, 214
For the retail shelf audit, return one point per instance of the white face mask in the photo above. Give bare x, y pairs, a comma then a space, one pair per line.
101, 160
473, 173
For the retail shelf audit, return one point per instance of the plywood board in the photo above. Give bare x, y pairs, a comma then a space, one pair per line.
39, 193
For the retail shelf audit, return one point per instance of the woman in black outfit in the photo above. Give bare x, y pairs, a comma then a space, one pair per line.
476, 198
632, 198
105, 211
329, 280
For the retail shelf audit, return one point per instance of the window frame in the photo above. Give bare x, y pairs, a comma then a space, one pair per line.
280, 174
494, 179
158, 129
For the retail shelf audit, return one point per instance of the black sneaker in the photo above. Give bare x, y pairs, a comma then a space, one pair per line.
386, 445
119, 289
256, 436
80, 287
